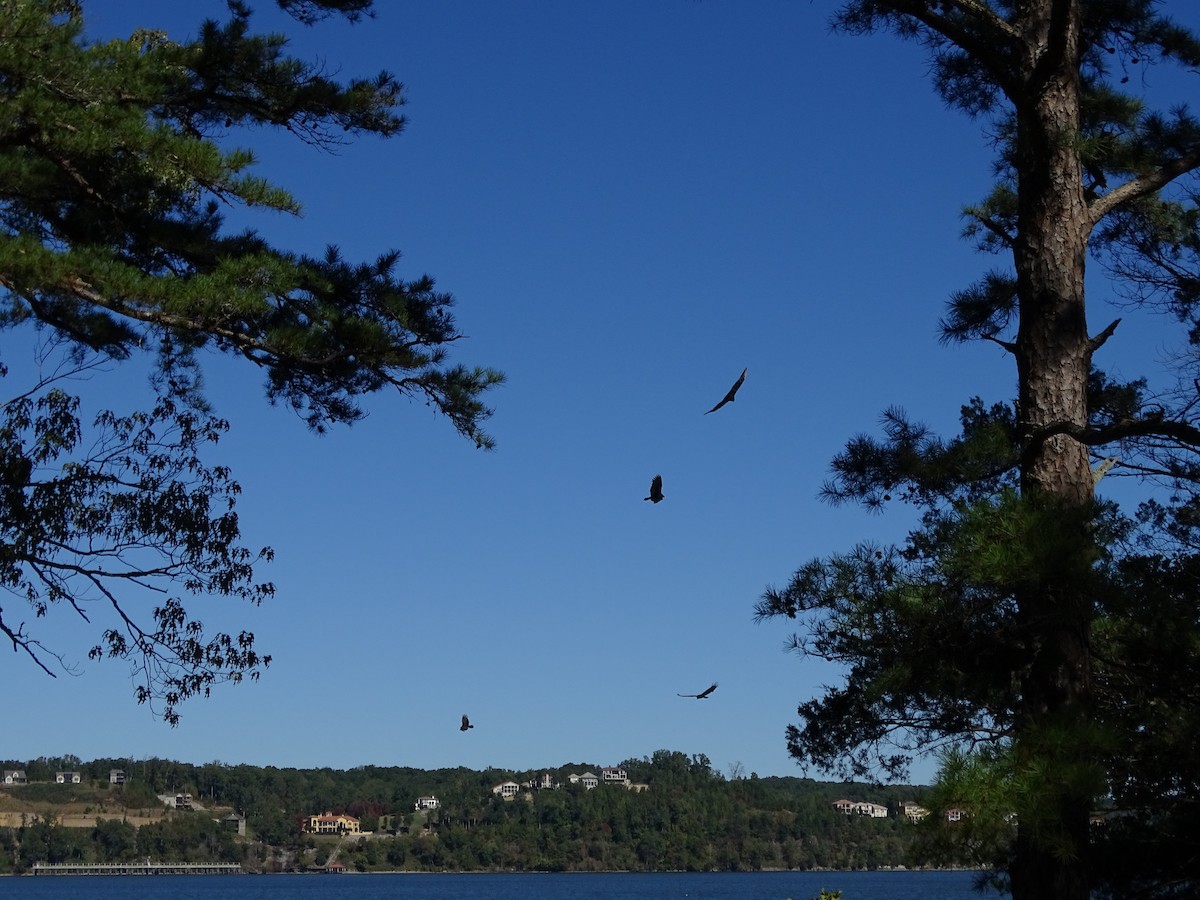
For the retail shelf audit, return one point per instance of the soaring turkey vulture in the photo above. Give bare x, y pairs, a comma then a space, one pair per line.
704, 693
728, 398
466, 724
656, 493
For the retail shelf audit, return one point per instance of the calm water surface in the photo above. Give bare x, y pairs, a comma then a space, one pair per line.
666, 886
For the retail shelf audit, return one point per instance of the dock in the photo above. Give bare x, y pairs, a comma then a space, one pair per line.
143, 868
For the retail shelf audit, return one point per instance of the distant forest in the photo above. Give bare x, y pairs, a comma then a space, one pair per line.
689, 818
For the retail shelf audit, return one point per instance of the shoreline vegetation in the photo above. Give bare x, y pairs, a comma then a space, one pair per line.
674, 813
898, 870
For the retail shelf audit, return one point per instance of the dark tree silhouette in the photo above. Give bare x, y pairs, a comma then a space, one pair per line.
1010, 629
117, 175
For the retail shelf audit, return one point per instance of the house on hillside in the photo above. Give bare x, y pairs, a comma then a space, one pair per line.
67, 778
15, 776
861, 808
587, 779
871, 810
430, 802
545, 782
234, 823
507, 789
914, 812
116, 776
328, 823
612, 775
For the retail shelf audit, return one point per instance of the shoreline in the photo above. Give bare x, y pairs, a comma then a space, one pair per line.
166, 867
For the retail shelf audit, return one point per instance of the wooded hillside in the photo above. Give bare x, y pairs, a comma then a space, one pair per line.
688, 817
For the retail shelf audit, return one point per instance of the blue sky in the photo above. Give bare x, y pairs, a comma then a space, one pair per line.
631, 201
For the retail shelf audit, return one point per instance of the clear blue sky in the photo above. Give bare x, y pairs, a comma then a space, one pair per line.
632, 201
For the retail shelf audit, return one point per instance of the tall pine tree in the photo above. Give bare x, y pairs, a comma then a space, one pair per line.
116, 161
1044, 640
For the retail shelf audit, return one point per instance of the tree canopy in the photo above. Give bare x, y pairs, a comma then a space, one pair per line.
118, 161
1042, 637
683, 817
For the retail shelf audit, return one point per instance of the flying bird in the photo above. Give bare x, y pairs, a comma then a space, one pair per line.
704, 693
466, 724
728, 398
656, 493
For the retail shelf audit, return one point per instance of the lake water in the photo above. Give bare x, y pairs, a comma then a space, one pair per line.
659, 886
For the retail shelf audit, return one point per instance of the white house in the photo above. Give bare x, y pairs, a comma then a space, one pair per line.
507, 789
871, 810
116, 776
914, 812
611, 775
861, 808
430, 802
587, 779
67, 777
15, 776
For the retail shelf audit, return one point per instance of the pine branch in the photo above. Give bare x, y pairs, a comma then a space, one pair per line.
996, 228
1143, 185
987, 45
1007, 345
1152, 427
1099, 340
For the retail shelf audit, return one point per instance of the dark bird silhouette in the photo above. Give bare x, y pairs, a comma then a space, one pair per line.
728, 398
656, 493
704, 693
466, 724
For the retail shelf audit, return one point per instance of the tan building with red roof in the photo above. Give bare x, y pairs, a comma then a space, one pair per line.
328, 823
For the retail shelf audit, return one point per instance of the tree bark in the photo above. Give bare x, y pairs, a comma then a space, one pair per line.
1053, 359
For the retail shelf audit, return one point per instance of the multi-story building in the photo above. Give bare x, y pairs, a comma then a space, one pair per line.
328, 823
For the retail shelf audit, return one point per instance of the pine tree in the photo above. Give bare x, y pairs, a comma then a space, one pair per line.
116, 160
1011, 628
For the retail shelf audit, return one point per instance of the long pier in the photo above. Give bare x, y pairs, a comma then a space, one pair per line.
146, 868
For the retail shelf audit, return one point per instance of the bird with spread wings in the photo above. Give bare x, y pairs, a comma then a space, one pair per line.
728, 398
656, 493
704, 693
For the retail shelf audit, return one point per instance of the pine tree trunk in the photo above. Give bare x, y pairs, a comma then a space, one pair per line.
1053, 359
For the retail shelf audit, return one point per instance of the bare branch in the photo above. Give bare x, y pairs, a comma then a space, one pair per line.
1007, 345
22, 641
1098, 341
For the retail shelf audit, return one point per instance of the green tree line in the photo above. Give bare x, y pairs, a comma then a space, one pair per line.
689, 817
186, 838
